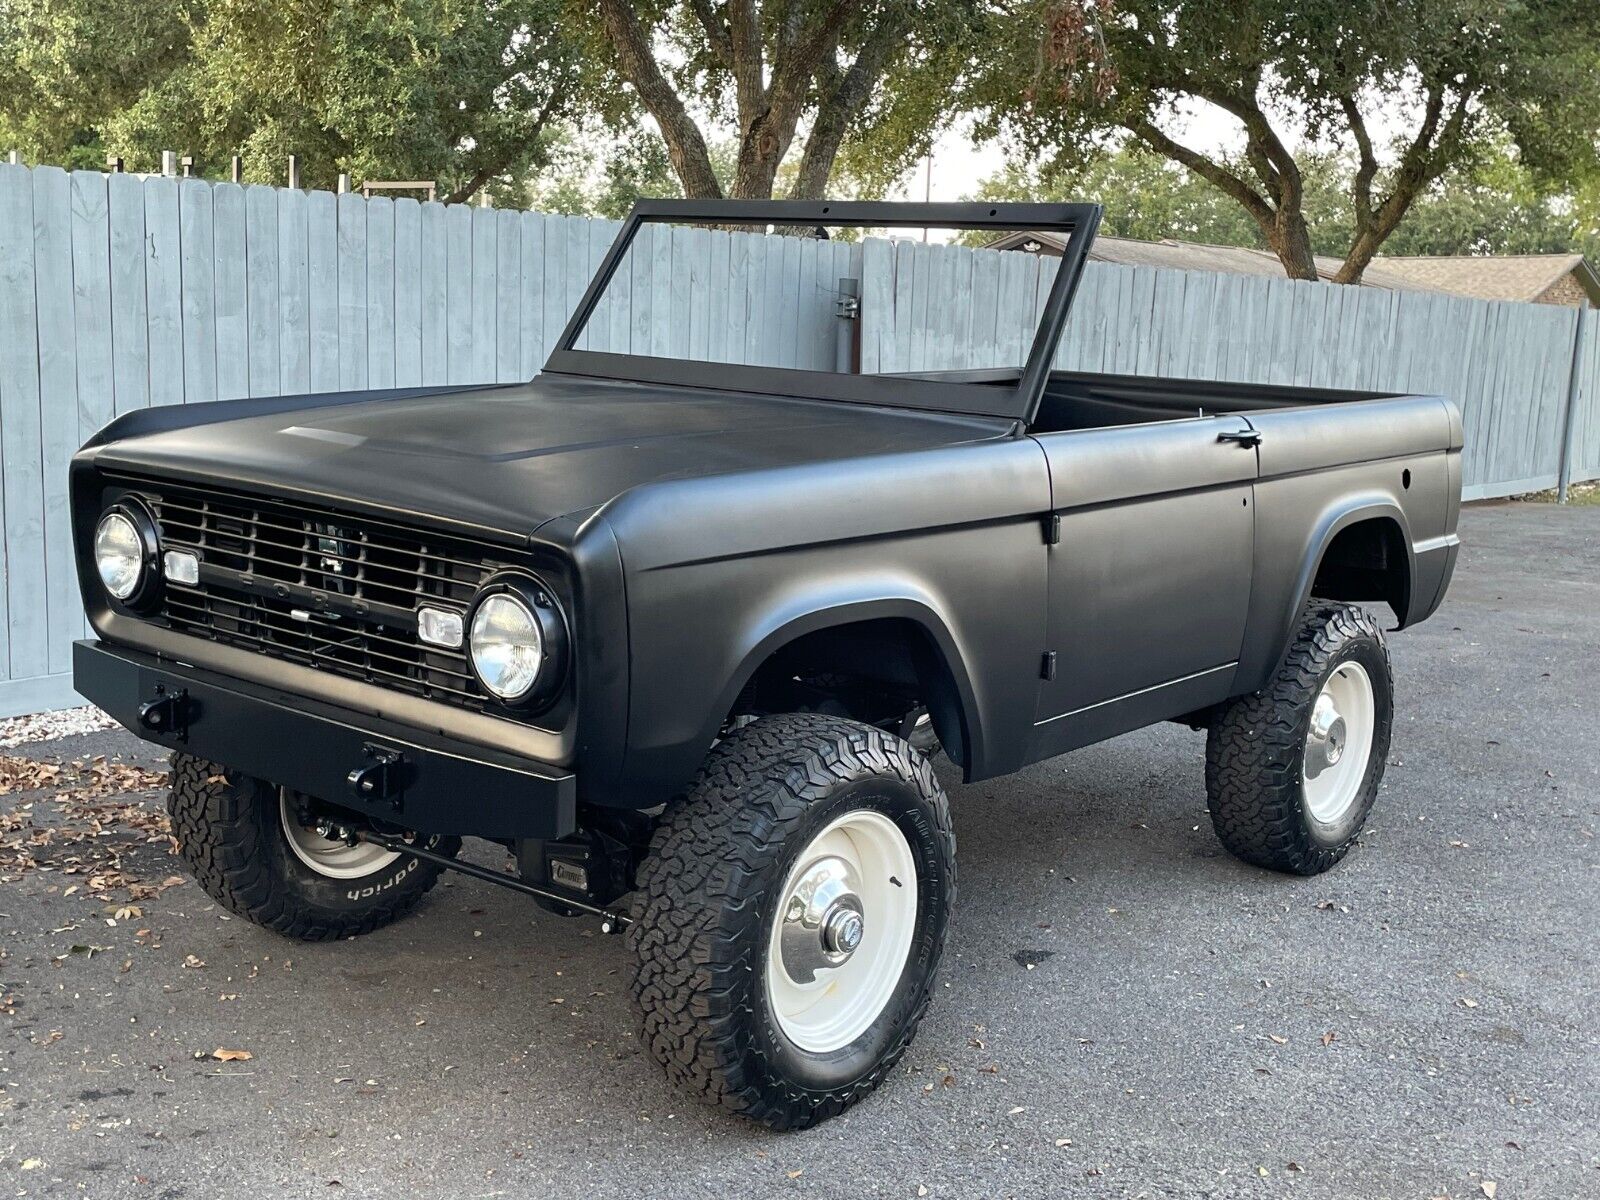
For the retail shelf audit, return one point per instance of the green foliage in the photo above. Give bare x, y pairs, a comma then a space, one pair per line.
456, 91
1492, 206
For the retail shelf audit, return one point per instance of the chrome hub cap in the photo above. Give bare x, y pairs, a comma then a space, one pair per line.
1338, 743
842, 931
323, 848
1326, 738
821, 924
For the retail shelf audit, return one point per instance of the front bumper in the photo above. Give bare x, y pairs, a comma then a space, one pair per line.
394, 773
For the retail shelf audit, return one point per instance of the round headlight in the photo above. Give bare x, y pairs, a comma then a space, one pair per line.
507, 645
119, 554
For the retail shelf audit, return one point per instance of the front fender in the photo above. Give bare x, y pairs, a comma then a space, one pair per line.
779, 627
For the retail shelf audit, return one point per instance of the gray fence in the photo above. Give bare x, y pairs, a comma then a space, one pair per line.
118, 292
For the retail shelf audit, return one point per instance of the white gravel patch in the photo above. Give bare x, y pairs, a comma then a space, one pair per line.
43, 727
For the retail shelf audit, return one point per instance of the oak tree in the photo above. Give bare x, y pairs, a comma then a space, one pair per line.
1412, 88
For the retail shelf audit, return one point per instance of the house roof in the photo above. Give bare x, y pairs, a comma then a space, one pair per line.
1485, 277
1491, 277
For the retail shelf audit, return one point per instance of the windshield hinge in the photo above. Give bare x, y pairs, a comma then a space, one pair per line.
1052, 529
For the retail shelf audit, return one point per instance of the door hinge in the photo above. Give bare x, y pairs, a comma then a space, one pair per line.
1047, 668
1052, 529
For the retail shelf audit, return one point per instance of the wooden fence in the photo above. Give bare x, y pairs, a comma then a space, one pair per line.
118, 292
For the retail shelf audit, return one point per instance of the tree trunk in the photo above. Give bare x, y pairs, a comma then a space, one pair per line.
686, 148
1290, 240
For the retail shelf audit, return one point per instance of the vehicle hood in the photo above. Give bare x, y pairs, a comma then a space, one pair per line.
505, 460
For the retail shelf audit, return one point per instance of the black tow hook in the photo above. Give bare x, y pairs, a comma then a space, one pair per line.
610, 920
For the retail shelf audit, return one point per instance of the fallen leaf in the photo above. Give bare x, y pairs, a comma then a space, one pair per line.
1468, 1002
1489, 1188
1329, 1038
222, 1055
32, 1164
1281, 1041
796, 1174
190, 960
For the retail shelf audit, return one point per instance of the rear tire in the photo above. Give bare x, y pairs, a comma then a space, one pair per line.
237, 836
791, 916
1292, 771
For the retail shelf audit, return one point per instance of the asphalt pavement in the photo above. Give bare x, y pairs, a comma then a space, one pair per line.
1124, 1009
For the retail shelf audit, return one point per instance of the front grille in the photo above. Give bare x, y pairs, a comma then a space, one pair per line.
311, 586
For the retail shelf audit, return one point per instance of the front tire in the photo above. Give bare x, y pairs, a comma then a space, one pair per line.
791, 916
1292, 771
243, 842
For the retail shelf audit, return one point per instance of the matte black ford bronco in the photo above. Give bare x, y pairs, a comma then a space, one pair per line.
686, 631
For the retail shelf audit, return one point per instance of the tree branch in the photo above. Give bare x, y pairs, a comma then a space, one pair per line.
843, 97
749, 60
555, 102
1254, 203
1422, 161
767, 137
717, 35
686, 147
1367, 168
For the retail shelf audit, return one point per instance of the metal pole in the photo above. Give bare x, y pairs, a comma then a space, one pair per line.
1568, 423
294, 171
847, 308
238, 169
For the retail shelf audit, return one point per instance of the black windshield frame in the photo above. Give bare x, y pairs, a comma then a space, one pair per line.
969, 396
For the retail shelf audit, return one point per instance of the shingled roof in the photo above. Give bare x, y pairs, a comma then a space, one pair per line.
1491, 276
1486, 277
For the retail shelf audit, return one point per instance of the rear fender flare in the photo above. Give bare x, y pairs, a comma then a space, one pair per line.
1349, 511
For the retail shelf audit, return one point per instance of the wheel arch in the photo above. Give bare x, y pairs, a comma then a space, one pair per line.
936, 653
1363, 552
1361, 522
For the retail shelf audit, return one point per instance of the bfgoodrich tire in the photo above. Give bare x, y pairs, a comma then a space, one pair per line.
791, 916
1292, 771
242, 841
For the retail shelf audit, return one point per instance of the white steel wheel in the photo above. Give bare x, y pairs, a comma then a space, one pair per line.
1338, 743
842, 931
329, 856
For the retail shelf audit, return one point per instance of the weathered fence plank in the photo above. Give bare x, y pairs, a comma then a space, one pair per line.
58, 415
232, 306
322, 290
261, 288
199, 291
380, 292
22, 487
163, 285
294, 291
351, 211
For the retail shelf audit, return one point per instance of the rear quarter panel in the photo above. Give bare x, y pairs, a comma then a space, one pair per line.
1323, 467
